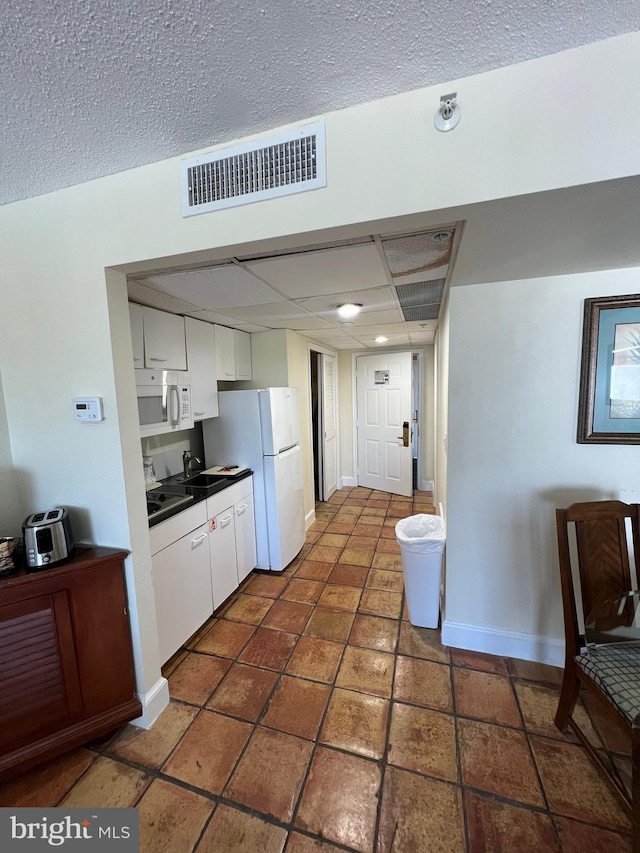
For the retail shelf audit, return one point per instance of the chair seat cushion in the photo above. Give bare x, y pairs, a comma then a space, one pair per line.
615, 669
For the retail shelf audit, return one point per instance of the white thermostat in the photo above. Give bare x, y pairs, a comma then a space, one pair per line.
88, 409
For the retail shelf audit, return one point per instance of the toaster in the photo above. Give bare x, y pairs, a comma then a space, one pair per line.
47, 539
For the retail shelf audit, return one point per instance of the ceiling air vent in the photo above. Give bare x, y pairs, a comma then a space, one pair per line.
288, 163
421, 300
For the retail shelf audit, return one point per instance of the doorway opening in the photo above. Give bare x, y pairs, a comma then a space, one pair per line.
323, 379
314, 358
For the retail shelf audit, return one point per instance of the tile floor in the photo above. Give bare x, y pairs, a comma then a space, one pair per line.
309, 716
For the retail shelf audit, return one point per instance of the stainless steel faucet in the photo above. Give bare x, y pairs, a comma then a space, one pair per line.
187, 459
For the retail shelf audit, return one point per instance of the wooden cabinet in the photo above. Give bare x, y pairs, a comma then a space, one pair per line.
242, 352
201, 363
225, 353
66, 665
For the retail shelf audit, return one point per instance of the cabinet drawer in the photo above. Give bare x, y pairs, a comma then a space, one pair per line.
163, 534
229, 496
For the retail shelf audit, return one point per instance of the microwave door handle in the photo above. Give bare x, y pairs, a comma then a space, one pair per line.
174, 405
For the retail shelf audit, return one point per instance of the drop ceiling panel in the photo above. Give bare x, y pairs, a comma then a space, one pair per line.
382, 329
156, 299
217, 288
212, 317
372, 299
425, 251
339, 270
279, 315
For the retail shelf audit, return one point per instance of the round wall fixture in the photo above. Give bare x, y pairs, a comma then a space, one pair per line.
448, 116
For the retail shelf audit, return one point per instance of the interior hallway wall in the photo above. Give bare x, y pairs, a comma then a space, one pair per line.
12, 513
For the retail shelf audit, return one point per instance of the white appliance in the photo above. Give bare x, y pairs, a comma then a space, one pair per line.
260, 429
164, 401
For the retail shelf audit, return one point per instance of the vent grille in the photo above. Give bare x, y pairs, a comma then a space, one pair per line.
421, 300
289, 163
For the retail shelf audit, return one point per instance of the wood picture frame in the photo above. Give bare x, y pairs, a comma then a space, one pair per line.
609, 401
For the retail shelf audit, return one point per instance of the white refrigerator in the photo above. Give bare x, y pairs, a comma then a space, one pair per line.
260, 429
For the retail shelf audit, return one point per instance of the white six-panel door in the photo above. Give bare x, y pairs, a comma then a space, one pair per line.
384, 403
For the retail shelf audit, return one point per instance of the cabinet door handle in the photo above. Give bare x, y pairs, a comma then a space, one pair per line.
241, 509
198, 540
151, 358
225, 521
197, 414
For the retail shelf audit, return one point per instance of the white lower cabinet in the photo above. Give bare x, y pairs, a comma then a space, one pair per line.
182, 588
232, 538
245, 537
224, 575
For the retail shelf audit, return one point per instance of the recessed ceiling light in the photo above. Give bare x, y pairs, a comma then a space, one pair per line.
349, 309
381, 339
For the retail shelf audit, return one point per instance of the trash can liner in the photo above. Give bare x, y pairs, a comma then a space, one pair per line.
421, 534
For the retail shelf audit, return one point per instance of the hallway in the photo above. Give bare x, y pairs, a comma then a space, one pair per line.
309, 716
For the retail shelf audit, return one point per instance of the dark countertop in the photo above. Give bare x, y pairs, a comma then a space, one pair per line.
175, 487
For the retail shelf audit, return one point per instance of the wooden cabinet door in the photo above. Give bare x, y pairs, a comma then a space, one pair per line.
225, 353
182, 589
224, 572
136, 314
245, 537
201, 364
164, 340
242, 348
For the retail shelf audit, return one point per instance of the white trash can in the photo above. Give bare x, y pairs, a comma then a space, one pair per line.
421, 538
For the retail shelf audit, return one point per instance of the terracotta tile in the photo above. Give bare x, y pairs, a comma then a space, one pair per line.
340, 597
330, 624
387, 546
385, 580
422, 643
348, 575
288, 616
574, 787
369, 527
497, 826
539, 705
392, 562
152, 746
243, 692
378, 502
366, 671
324, 553
363, 543
268, 648
478, 660
193, 641
312, 536
233, 831
356, 722
348, 509
339, 800
356, 556
374, 632
315, 659
271, 773
314, 570
485, 696
44, 786
355, 502
304, 591
336, 540
197, 677
109, 784
582, 838
269, 585
171, 818
612, 736
296, 707
497, 759
225, 639
423, 682
249, 608
423, 740
381, 603
317, 525
374, 510
532, 671
174, 662
304, 844
406, 824
207, 754
343, 527
387, 533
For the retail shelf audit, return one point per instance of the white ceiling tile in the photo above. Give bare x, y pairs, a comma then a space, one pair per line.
415, 252
421, 325
340, 270
381, 329
373, 299
212, 317
155, 299
217, 288
279, 315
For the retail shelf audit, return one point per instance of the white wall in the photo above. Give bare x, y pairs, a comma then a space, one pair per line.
65, 335
10, 515
515, 350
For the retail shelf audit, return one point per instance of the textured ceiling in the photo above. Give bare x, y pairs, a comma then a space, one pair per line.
92, 87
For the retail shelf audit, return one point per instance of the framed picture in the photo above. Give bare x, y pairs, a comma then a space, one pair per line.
609, 405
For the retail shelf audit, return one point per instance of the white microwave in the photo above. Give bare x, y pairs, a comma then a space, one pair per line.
164, 401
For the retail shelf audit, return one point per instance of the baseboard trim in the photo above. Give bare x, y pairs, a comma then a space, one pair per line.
494, 641
348, 481
309, 518
153, 704
427, 486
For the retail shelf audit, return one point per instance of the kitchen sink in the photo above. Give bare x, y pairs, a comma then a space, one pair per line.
203, 480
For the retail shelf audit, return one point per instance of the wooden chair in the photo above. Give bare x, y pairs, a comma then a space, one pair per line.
601, 553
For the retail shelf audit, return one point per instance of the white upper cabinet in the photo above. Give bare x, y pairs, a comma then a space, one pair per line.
242, 349
164, 340
225, 353
136, 315
201, 364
